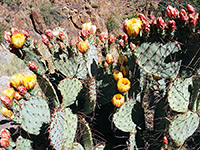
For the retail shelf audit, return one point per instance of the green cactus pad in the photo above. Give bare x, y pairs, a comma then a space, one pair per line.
157, 58
22, 143
178, 95
90, 102
183, 126
77, 146
82, 69
56, 129
33, 114
92, 60
67, 66
123, 118
71, 122
87, 135
69, 89
132, 141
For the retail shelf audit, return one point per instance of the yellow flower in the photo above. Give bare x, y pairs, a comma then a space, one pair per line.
8, 92
18, 40
123, 85
133, 26
124, 70
118, 100
83, 46
6, 112
122, 60
17, 80
117, 75
17, 96
29, 81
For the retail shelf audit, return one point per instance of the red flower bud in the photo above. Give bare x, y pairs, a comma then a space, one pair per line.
183, 16
62, 35
146, 27
160, 23
22, 90
125, 38
103, 36
6, 101
4, 133
7, 36
26, 33
14, 31
192, 20
84, 33
33, 66
45, 40
172, 12
111, 38
190, 9
142, 18
171, 25
121, 42
49, 34
152, 19
165, 141
124, 25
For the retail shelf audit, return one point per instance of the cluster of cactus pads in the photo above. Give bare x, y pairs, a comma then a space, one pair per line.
78, 78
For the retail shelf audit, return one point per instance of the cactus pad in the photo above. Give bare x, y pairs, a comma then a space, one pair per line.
23, 144
123, 118
178, 96
71, 122
158, 59
69, 89
132, 141
57, 129
33, 114
183, 126
77, 146
87, 135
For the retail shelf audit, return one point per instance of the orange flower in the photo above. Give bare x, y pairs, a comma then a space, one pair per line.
133, 26
17, 80
83, 46
18, 40
123, 85
118, 100
117, 75
109, 58
8, 92
29, 81
17, 96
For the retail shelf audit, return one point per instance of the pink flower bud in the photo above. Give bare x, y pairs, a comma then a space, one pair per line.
22, 90
172, 12
152, 19
142, 17
190, 9
4, 133
7, 36
192, 20
84, 33
111, 39
33, 66
160, 23
124, 25
171, 25
125, 38
14, 31
26, 33
6, 101
49, 34
103, 36
45, 40
62, 35
4, 142
183, 16
121, 42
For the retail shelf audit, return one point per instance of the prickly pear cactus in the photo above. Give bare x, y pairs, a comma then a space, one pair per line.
69, 89
159, 59
23, 144
90, 102
33, 114
70, 126
178, 95
77, 146
123, 118
132, 141
183, 126
56, 129
87, 135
